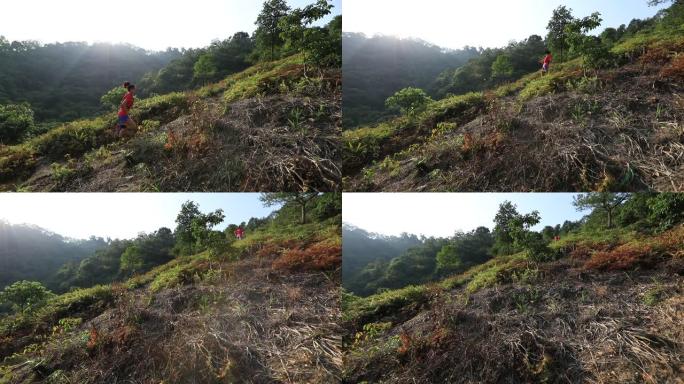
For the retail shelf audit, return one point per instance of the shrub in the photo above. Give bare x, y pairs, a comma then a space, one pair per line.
410, 101
323, 255
14, 161
176, 276
15, 121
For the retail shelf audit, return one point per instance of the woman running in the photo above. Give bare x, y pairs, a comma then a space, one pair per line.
125, 120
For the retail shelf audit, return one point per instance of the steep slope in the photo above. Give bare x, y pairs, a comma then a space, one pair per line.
265, 310
613, 129
274, 126
609, 310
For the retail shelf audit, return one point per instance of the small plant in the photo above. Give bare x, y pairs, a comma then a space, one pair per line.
654, 295
296, 119
371, 332
61, 173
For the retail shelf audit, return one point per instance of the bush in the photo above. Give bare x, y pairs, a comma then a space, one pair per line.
15, 121
410, 101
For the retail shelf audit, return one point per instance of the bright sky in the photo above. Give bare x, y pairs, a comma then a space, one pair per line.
442, 214
486, 23
150, 24
120, 215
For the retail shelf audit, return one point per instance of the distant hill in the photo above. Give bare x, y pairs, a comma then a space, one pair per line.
64, 81
376, 67
35, 254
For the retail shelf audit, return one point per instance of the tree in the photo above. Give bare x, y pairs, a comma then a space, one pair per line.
112, 99
502, 68
194, 227
268, 24
594, 53
316, 43
301, 199
15, 121
25, 295
562, 16
605, 202
465, 250
204, 69
410, 101
503, 241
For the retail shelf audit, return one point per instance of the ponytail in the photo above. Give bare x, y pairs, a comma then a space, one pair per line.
128, 86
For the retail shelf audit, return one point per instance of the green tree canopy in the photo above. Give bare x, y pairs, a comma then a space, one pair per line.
16, 120
410, 101
502, 68
301, 199
269, 28
556, 37
604, 202
25, 295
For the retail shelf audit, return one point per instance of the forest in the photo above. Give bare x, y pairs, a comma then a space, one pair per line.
375, 263
43, 85
376, 67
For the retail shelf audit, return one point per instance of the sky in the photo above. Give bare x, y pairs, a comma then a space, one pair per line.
149, 24
442, 214
486, 23
121, 215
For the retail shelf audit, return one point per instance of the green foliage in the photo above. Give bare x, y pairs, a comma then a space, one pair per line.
204, 69
194, 229
362, 310
376, 67
112, 99
16, 120
268, 40
300, 199
601, 201
320, 46
561, 18
173, 277
491, 67
65, 81
25, 296
410, 101
502, 68
465, 250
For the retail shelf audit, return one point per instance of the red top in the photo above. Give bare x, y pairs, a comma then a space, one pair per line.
238, 232
128, 102
548, 59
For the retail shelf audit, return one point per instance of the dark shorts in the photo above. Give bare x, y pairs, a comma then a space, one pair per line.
122, 121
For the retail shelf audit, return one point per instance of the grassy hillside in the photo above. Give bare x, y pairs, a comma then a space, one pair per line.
609, 309
575, 129
262, 310
274, 126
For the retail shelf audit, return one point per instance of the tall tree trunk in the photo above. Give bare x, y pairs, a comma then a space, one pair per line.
610, 218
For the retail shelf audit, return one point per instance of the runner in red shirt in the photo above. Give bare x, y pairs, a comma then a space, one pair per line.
239, 233
125, 121
547, 62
